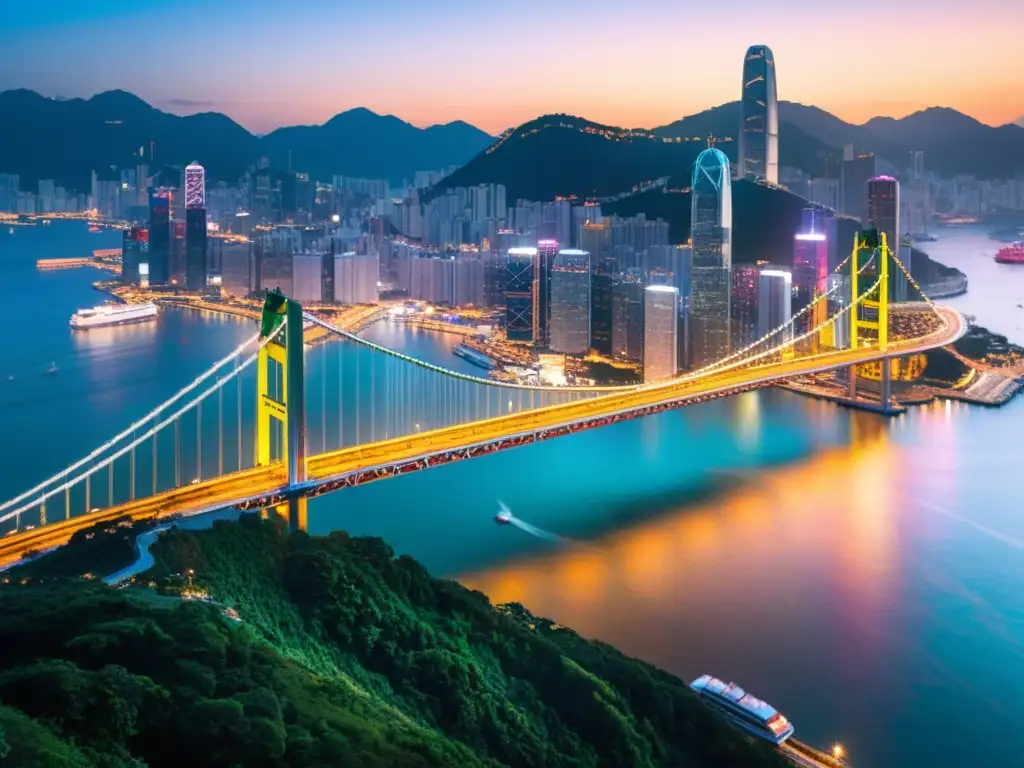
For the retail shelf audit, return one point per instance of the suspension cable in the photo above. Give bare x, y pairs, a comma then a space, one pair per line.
141, 438
134, 426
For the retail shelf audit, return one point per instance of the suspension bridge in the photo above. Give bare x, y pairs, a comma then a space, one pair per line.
274, 423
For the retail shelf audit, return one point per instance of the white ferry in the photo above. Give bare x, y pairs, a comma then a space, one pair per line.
112, 314
743, 709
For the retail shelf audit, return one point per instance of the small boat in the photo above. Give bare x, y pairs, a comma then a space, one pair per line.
10, 230
52, 370
504, 516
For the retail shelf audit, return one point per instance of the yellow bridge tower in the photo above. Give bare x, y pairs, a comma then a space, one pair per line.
873, 313
280, 399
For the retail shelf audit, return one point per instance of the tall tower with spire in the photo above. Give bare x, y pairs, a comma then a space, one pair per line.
759, 121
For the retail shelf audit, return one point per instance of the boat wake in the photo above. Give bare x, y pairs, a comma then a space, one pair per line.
540, 533
506, 516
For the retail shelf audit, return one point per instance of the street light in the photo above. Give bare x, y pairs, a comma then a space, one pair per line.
838, 751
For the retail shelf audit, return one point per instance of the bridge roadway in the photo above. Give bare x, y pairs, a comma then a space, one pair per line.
359, 464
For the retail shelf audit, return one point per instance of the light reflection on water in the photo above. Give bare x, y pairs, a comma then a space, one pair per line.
862, 575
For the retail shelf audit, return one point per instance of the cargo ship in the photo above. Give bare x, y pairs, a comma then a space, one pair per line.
112, 314
1011, 254
743, 709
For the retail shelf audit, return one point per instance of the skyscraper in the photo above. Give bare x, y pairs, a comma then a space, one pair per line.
775, 286
744, 304
519, 269
159, 237
134, 256
628, 316
884, 215
546, 251
597, 241
857, 170
711, 235
195, 187
570, 303
660, 324
602, 286
195, 228
810, 267
759, 127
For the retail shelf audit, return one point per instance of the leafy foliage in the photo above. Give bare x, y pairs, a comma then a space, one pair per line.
345, 655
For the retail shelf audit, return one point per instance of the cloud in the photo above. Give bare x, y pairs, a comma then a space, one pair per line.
188, 103
1020, 121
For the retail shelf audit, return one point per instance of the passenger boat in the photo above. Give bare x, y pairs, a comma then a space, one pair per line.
743, 709
113, 314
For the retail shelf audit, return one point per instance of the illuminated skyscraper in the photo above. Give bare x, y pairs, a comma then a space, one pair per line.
711, 235
195, 187
744, 304
775, 287
759, 127
628, 316
810, 268
546, 251
160, 237
195, 228
134, 256
570, 303
519, 270
660, 324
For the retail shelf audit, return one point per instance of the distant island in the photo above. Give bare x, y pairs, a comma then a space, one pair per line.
247, 646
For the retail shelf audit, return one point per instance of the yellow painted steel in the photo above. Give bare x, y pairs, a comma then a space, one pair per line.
270, 409
882, 305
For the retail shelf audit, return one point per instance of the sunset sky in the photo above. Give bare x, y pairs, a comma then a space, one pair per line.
637, 63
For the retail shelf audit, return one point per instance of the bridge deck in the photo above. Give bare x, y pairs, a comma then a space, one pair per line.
262, 482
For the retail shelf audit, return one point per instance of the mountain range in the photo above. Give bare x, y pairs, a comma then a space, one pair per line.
563, 155
66, 140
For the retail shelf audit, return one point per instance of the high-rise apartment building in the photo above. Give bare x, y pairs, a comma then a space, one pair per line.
355, 278
711, 238
519, 279
759, 127
570, 303
307, 277
660, 324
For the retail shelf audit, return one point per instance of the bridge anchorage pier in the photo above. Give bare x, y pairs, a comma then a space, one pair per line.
281, 404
